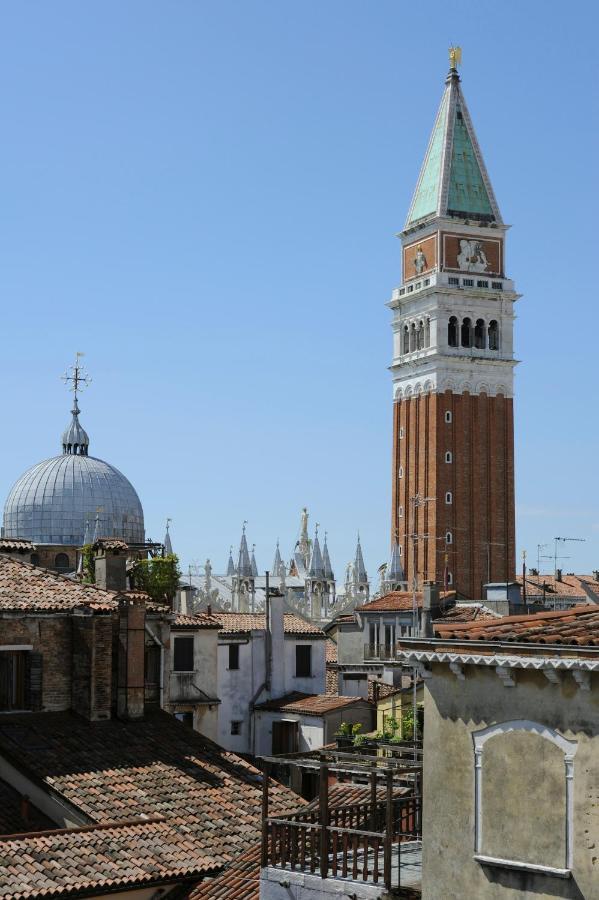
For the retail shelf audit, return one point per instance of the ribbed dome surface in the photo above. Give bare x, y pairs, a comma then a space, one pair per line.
52, 501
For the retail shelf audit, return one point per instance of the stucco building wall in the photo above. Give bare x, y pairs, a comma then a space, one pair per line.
524, 815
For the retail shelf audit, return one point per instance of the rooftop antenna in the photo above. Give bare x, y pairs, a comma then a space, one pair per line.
555, 556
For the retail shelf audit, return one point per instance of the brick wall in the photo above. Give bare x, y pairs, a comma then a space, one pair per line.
481, 517
91, 666
52, 638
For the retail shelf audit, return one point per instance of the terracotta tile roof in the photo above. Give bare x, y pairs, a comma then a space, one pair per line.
384, 690
309, 704
11, 820
399, 601
111, 544
570, 586
19, 545
466, 612
29, 588
239, 623
239, 881
199, 620
348, 794
578, 625
330, 651
122, 770
97, 859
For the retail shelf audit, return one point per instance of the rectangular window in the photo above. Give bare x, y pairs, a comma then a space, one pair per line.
497, 285
373, 635
233, 656
236, 728
453, 281
183, 654
303, 661
468, 282
482, 284
285, 737
12, 679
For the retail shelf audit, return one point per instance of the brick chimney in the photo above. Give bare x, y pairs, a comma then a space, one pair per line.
430, 608
131, 658
110, 563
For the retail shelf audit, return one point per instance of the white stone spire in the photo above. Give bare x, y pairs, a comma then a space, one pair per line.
253, 561
244, 565
316, 563
168, 546
326, 561
360, 576
277, 561
230, 564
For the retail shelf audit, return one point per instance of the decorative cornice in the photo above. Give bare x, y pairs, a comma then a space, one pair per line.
538, 663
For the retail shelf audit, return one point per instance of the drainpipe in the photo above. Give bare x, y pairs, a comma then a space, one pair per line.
161, 645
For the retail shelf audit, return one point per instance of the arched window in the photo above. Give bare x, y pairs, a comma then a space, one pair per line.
467, 332
452, 332
449, 498
448, 456
449, 537
61, 562
400, 473
406, 339
448, 416
449, 578
400, 512
420, 336
413, 337
427, 333
493, 335
480, 335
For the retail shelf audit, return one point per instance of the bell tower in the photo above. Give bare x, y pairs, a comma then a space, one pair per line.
453, 434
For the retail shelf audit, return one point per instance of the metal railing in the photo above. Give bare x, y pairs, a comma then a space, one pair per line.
379, 651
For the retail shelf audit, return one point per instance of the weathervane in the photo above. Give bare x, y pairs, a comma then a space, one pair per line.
77, 376
455, 57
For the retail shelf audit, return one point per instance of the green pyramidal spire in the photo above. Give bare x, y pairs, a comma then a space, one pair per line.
453, 180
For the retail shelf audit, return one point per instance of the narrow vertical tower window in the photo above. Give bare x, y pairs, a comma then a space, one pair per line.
453, 367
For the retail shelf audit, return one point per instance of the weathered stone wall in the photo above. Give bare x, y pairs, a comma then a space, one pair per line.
523, 786
50, 636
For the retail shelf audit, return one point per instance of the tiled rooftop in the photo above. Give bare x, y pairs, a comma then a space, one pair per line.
18, 545
98, 859
582, 586
239, 881
239, 623
466, 612
27, 587
199, 620
399, 601
309, 704
117, 770
576, 626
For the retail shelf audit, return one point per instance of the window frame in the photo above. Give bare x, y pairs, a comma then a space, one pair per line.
190, 641
233, 651
301, 669
235, 727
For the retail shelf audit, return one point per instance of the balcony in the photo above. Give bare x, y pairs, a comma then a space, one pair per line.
376, 841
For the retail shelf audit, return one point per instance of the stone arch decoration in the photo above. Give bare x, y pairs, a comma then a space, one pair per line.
428, 387
482, 388
398, 393
568, 749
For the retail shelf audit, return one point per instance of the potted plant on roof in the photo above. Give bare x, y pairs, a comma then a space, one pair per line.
345, 734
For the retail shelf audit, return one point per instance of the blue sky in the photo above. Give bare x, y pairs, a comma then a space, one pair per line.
203, 197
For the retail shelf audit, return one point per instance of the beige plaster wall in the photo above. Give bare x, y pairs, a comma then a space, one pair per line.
526, 788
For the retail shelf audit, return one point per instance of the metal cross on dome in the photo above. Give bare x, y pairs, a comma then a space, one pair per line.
77, 376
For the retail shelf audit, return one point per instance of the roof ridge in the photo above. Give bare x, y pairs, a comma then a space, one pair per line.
81, 829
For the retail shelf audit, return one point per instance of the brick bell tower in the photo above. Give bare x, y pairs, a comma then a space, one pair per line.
453, 432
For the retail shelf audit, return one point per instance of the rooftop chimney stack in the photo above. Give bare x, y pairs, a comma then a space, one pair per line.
558, 575
131, 658
430, 608
110, 564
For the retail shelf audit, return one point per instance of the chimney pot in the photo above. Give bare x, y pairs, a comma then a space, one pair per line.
209, 609
558, 575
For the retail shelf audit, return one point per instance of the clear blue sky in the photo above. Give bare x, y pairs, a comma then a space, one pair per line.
203, 197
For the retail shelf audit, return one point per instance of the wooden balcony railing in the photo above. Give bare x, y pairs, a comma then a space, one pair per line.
359, 841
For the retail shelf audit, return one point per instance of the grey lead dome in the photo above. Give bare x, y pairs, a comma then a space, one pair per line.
54, 501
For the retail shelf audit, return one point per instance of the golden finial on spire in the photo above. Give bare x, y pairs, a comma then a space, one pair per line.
455, 57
